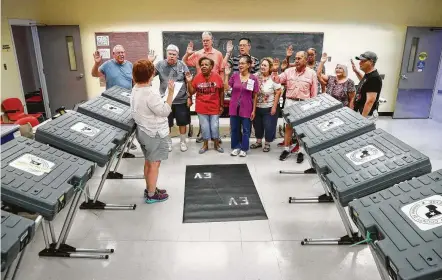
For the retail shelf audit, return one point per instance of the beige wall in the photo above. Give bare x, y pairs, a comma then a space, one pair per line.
350, 26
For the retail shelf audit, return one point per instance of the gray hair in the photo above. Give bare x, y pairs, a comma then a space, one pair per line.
173, 48
116, 47
343, 67
208, 33
304, 53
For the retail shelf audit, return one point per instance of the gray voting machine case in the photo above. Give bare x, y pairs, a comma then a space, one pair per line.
118, 94
331, 129
16, 234
309, 109
40, 178
108, 111
83, 136
406, 221
368, 163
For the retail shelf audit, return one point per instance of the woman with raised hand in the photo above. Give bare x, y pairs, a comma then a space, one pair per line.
340, 86
266, 117
242, 109
209, 88
150, 113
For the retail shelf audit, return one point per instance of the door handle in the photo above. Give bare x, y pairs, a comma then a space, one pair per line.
403, 77
81, 76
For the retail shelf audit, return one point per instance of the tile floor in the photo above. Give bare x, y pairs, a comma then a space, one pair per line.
153, 243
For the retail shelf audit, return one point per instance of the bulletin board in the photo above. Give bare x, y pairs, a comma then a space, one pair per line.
136, 45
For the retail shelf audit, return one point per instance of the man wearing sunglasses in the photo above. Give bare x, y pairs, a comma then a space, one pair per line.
370, 85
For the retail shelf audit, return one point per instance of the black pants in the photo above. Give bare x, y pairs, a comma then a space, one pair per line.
265, 124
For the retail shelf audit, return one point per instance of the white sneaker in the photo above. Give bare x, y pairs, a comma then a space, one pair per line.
235, 152
242, 154
183, 146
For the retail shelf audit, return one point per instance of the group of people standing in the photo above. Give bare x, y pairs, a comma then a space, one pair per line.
256, 87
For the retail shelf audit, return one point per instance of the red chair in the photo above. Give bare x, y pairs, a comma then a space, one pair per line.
31, 120
14, 110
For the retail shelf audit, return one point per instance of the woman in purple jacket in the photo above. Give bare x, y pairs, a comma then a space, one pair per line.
245, 88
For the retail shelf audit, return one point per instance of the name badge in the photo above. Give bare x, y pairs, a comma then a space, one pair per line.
250, 84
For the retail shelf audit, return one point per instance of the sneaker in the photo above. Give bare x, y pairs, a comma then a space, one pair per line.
157, 197
300, 158
242, 154
235, 152
200, 139
295, 149
161, 191
284, 155
183, 146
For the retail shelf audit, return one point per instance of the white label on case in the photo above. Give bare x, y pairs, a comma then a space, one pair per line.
426, 213
85, 129
327, 125
310, 105
113, 109
364, 154
32, 164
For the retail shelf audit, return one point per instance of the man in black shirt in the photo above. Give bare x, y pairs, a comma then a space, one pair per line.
370, 85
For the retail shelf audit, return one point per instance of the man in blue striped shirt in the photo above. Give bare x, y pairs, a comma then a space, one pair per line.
244, 49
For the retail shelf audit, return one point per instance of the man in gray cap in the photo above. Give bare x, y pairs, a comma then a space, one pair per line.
370, 85
174, 69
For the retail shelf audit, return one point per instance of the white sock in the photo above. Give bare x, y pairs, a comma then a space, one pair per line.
287, 149
183, 138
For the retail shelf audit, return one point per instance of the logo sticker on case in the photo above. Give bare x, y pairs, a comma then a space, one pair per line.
32, 164
113, 109
310, 105
330, 124
426, 213
85, 129
364, 154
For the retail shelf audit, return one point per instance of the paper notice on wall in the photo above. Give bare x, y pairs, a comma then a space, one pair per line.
105, 53
102, 41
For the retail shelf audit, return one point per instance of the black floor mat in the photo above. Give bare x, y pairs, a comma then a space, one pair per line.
217, 193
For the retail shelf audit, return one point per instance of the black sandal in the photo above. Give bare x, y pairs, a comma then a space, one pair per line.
256, 145
266, 148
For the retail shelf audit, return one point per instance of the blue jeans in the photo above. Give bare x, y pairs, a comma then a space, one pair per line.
265, 124
209, 126
235, 124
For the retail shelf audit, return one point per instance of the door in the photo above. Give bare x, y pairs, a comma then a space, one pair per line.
420, 61
62, 65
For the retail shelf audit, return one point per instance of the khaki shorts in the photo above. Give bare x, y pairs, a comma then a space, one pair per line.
154, 148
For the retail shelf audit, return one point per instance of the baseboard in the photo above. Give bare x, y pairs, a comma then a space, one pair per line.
386, 114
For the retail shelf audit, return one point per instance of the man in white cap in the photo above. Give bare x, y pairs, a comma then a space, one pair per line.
174, 69
370, 85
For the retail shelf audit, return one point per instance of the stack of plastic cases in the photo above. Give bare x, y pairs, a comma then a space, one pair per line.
16, 234
368, 163
83, 136
331, 129
405, 224
310, 109
118, 94
109, 111
39, 178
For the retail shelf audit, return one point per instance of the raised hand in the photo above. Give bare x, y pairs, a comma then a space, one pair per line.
353, 65
151, 56
275, 67
189, 77
284, 65
289, 50
189, 50
227, 70
97, 57
324, 57
229, 46
171, 86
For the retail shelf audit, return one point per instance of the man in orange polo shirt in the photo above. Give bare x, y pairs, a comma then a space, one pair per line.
192, 57
302, 83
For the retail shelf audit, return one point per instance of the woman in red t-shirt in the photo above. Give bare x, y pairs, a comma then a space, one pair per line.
209, 89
